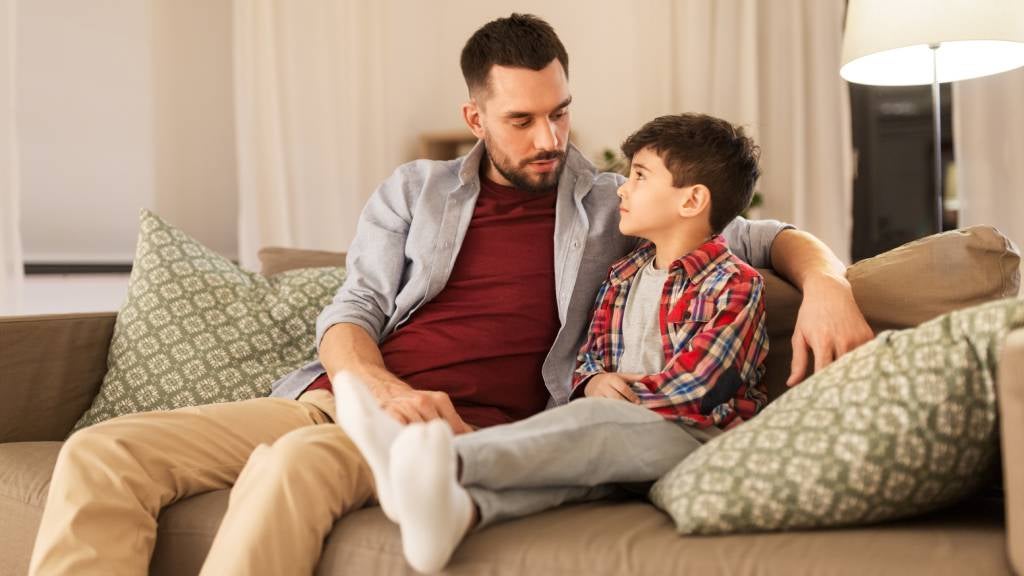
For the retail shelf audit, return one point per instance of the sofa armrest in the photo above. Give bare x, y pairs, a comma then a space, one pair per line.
1011, 417
50, 370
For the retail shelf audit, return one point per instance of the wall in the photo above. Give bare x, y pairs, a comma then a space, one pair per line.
123, 105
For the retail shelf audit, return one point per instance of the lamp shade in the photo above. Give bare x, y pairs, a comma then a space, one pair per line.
887, 42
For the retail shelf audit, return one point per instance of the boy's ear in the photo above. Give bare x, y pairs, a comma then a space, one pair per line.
471, 114
696, 199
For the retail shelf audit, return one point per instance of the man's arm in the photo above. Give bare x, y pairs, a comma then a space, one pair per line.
349, 347
829, 323
349, 328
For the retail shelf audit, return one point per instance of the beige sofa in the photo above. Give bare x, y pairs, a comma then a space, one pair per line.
51, 368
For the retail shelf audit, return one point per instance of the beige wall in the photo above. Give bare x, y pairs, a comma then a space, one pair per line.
129, 104
124, 105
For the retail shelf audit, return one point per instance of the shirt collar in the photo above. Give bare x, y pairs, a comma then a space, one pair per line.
695, 265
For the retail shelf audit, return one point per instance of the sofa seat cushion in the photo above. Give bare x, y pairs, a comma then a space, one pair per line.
611, 538
597, 538
25, 469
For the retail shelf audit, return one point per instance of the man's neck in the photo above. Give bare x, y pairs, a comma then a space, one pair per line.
673, 246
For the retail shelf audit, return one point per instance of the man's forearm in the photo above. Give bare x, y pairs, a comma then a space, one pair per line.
803, 259
349, 347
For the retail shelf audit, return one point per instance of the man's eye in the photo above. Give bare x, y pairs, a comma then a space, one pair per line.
521, 124
559, 115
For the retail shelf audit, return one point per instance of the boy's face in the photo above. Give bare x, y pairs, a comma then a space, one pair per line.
523, 119
650, 204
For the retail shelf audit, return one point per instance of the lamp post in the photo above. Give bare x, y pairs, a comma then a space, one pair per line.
918, 42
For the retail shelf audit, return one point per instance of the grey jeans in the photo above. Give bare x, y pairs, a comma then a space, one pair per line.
581, 451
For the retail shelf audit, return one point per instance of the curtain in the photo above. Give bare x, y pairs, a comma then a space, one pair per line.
988, 141
773, 67
308, 78
11, 269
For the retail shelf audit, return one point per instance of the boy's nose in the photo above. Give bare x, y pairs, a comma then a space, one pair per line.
621, 191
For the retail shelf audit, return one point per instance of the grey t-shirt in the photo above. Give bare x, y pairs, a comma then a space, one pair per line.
642, 351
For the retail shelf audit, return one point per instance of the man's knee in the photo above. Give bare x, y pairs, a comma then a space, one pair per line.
315, 447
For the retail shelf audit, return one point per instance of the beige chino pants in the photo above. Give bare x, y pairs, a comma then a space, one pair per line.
292, 473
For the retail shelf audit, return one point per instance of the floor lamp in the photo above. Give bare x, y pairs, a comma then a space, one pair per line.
918, 42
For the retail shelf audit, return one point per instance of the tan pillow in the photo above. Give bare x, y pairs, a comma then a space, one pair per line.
929, 277
274, 259
904, 287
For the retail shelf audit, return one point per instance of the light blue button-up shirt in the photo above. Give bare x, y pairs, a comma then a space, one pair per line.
412, 227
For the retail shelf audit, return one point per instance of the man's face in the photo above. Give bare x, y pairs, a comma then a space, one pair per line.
523, 119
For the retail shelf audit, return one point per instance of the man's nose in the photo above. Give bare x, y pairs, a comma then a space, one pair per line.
546, 136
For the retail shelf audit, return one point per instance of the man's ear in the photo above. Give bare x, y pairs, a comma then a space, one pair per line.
471, 114
696, 199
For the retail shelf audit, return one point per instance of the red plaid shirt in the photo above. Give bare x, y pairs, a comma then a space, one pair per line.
712, 332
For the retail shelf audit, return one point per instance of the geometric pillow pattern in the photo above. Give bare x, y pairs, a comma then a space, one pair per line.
197, 329
902, 425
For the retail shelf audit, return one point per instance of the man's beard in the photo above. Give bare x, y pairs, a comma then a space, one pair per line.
518, 175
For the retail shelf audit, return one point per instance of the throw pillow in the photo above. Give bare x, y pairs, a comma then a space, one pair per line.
197, 329
902, 425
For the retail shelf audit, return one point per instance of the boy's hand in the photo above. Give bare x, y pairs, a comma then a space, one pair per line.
614, 385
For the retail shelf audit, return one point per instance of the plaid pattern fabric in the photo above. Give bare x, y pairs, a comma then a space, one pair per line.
712, 330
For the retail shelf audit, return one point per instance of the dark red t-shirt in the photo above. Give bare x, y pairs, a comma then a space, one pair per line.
484, 338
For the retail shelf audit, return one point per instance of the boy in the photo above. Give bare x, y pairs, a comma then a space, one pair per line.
675, 355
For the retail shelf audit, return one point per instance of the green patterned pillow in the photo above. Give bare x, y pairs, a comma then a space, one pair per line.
197, 329
902, 425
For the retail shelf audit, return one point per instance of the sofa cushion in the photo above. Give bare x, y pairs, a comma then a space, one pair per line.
276, 259
597, 538
901, 425
50, 370
25, 470
197, 329
614, 538
934, 275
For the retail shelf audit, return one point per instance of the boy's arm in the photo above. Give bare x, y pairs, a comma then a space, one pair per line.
708, 371
591, 359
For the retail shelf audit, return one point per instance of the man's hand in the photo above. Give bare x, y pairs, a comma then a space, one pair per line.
408, 405
829, 323
613, 385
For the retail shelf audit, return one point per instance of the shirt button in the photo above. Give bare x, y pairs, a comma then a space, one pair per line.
575, 244
447, 243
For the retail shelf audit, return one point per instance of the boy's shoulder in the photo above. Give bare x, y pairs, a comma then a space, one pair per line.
726, 272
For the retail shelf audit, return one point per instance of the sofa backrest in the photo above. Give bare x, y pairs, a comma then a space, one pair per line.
898, 289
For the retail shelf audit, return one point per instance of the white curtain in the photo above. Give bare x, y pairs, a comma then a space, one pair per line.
774, 68
308, 78
11, 270
988, 139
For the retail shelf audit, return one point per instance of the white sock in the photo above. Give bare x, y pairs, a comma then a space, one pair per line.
434, 511
370, 428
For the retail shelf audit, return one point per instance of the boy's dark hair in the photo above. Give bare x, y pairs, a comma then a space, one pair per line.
521, 40
702, 149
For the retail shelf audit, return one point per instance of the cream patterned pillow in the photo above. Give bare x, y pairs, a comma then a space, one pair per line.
902, 425
197, 329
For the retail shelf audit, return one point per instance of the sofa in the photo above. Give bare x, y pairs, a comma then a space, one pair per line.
52, 366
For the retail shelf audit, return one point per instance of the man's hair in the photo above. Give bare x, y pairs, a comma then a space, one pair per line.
702, 149
521, 41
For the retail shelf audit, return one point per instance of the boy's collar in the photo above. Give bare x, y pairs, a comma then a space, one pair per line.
695, 265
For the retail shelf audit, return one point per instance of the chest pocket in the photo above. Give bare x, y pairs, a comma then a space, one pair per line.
689, 318
698, 309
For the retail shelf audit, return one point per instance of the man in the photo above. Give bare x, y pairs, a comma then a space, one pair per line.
469, 287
